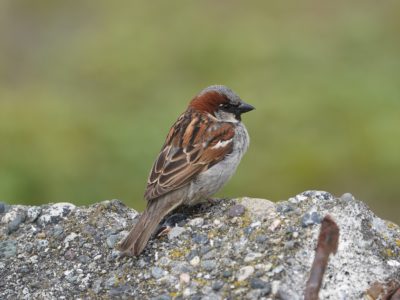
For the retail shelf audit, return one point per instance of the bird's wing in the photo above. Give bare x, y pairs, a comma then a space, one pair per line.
195, 143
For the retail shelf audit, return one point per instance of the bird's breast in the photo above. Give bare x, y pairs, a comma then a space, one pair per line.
209, 182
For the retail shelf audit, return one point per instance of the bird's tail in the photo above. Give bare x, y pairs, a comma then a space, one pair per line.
140, 234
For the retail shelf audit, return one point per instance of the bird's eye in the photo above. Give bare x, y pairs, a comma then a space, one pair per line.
226, 105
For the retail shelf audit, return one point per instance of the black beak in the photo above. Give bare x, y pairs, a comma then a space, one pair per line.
244, 107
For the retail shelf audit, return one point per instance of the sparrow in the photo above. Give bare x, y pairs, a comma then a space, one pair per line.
200, 154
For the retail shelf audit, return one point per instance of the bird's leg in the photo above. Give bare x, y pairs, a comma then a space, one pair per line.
179, 215
169, 222
213, 201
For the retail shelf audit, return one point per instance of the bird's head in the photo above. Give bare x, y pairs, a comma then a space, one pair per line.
221, 102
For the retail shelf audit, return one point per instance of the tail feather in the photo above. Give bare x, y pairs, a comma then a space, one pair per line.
140, 234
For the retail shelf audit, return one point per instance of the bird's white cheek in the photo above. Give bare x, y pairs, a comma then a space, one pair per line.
226, 117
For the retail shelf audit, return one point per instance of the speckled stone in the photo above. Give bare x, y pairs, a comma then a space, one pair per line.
33, 213
260, 293
162, 297
318, 195
248, 230
251, 256
157, 272
112, 240
284, 208
178, 267
311, 217
28, 247
227, 274
244, 273
119, 291
258, 209
208, 265
261, 238
200, 238
195, 261
70, 254
192, 254
196, 222
111, 281
236, 211
56, 230
217, 285
24, 270
175, 232
211, 254
205, 249
347, 197
257, 283
16, 222
289, 244
96, 287
55, 213
42, 244
184, 278
84, 259
8, 248
70, 276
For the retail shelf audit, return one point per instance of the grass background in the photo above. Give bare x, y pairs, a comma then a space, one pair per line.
89, 89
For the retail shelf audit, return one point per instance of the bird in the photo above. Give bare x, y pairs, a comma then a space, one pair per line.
200, 154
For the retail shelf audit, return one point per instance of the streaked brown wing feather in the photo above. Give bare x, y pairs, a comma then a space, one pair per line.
190, 148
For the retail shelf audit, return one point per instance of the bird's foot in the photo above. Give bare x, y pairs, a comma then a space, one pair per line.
170, 222
212, 201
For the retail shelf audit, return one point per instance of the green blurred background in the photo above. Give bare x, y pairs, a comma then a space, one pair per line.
89, 89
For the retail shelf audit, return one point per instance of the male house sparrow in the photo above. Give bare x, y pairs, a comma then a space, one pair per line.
201, 152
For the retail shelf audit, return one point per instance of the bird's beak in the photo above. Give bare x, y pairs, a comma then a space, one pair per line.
244, 107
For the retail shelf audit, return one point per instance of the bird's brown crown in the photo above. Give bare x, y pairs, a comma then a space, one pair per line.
208, 101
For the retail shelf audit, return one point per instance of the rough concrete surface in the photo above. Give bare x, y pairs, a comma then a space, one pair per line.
236, 249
